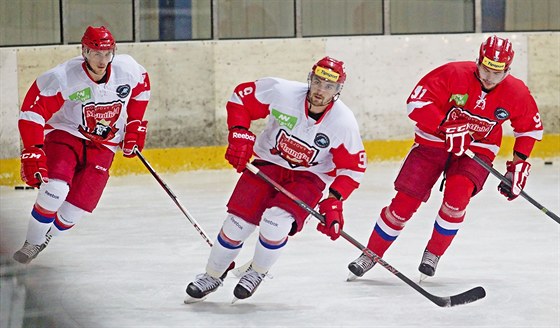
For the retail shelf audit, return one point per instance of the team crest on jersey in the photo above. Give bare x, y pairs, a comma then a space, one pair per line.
81, 95
296, 152
286, 120
123, 90
501, 113
321, 140
100, 119
479, 127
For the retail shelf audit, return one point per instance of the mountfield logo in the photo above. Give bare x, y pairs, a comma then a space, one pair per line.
295, 152
100, 120
108, 112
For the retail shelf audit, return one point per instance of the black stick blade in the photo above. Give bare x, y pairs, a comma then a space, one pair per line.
469, 296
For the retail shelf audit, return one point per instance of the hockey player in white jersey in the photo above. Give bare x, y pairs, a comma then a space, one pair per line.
72, 120
311, 144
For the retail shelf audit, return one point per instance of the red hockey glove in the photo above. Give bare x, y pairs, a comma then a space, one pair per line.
457, 137
134, 135
331, 209
240, 148
34, 166
517, 173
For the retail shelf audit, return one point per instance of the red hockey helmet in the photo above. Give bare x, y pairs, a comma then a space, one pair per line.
496, 53
330, 69
98, 38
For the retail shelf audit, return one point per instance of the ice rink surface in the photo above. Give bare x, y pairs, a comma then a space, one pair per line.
128, 263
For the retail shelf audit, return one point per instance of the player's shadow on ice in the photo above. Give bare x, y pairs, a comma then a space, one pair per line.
244, 307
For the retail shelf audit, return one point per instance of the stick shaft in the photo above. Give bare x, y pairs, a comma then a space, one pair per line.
463, 298
505, 180
173, 197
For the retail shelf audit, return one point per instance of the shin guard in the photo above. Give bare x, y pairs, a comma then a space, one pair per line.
456, 197
39, 224
228, 244
391, 222
66, 217
275, 225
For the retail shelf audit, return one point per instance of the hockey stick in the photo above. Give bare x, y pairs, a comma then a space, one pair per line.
173, 197
198, 228
505, 180
469, 296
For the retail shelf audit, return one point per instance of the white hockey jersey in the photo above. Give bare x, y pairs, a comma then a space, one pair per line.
66, 98
330, 147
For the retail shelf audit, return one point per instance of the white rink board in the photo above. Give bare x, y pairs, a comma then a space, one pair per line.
192, 80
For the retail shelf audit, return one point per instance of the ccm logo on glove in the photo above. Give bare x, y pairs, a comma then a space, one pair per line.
134, 136
34, 166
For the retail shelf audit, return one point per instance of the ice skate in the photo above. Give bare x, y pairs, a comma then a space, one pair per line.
247, 285
428, 265
359, 267
198, 290
29, 251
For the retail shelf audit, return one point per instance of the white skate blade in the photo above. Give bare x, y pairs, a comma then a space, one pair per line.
238, 272
235, 299
191, 300
351, 277
423, 277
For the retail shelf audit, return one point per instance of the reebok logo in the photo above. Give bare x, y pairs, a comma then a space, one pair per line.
237, 224
51, 195
238, 135
270, 222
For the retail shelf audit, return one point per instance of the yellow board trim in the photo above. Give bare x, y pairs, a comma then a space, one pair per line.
212, 158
